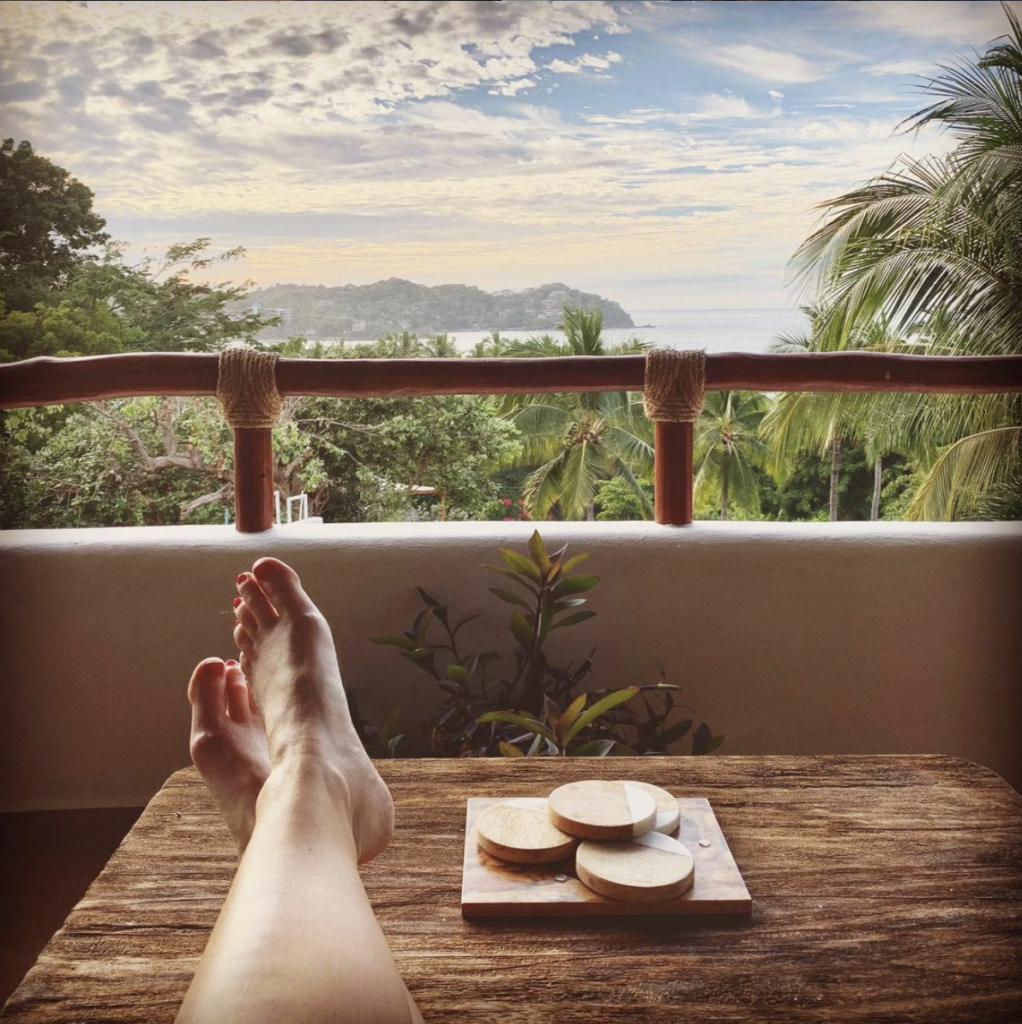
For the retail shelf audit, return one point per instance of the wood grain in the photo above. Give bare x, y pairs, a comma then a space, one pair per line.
601, 809
887, 889
492, 888
667, 813
253, 479
673, 479
48, 381
648, 869
520, 831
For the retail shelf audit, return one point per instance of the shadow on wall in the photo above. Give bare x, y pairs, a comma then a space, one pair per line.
788, 638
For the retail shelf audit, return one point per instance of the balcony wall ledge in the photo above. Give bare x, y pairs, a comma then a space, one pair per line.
788, 637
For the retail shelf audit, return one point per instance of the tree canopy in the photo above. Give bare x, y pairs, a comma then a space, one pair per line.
47, 224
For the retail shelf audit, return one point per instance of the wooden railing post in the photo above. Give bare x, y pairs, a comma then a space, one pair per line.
673, 473
253, 479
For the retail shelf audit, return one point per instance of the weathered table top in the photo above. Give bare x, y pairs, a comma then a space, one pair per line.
884, 889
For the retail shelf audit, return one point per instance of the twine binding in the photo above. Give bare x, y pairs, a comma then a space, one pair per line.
247, 387
674, 384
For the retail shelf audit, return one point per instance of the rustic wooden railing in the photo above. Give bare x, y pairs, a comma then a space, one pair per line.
48, 381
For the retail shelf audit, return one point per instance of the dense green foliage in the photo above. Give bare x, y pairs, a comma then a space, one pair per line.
47, 225
395, 305
572, 442
927, 258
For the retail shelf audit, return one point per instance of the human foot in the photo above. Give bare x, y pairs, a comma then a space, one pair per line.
289, 659
228, 743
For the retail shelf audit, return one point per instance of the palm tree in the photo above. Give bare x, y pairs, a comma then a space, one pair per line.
726, 435
440, 346
577, 440
492, 347
935, 249
803, 421
406, 345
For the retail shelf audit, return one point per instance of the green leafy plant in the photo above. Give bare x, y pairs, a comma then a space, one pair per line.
538, 708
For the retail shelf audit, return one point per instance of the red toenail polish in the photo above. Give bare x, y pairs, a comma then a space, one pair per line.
240, 579
236, 602
231, 661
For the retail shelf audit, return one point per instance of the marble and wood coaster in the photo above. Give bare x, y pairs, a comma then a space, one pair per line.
668, 816
649, 868
597, 809
520, 831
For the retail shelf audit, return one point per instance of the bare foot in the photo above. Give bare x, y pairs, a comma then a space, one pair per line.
228, 743
288, 657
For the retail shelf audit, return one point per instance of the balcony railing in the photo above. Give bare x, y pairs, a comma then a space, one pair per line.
47, 381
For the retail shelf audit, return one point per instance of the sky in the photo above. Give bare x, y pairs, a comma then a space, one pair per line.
663, 154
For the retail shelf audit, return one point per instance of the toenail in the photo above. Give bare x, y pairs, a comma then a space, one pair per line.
240, 579
231, 661
236, 602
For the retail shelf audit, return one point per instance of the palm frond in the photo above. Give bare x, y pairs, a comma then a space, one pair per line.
966, 471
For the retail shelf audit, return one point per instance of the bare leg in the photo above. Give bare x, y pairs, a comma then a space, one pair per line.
297, 939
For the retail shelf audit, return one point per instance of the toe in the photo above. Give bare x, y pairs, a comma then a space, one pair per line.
246, 618
255, 599
206, 694
281, 584
242, 639
238, 707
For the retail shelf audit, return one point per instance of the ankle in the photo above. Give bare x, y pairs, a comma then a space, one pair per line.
303, 769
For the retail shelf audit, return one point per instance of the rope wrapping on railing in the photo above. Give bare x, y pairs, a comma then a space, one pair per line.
247, 387
674, 384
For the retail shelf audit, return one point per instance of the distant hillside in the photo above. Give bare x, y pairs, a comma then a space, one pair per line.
368, 311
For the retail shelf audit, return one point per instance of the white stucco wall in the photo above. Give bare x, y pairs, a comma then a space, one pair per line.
802, 638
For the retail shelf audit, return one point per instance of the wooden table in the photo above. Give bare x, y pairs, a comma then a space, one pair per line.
884, 889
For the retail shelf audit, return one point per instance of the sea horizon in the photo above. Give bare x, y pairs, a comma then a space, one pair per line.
715, 329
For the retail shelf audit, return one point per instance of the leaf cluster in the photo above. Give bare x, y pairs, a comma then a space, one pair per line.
537, 708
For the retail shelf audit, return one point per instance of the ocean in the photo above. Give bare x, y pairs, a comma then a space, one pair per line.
716, 330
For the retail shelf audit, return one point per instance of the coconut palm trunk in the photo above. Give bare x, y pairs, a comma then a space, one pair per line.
878, 480
723, 493
835, 477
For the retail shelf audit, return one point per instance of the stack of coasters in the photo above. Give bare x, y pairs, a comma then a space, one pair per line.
625, 853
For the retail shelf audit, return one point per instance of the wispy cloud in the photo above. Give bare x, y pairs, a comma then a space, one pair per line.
954, 20
762, 63
901, 67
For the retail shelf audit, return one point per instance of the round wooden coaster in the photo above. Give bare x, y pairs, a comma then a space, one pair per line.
668, 816
596, 809
647, 869
521, 831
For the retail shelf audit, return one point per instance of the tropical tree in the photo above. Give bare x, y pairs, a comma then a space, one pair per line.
725, 446
47, 225
801, 421
933, 248
440, 346
493, 346
577, 440
406, 345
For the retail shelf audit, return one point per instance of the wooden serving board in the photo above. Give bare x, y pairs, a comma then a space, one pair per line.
493, 888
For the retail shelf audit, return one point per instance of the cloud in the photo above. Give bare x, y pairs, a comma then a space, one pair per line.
901, 67
960, 21
587, 60
728, 106
344, 142
760, 62
514, 87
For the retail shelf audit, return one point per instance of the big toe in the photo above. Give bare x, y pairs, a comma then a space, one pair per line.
206, 694
282, 586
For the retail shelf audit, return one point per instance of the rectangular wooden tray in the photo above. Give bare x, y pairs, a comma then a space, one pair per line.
493, 888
